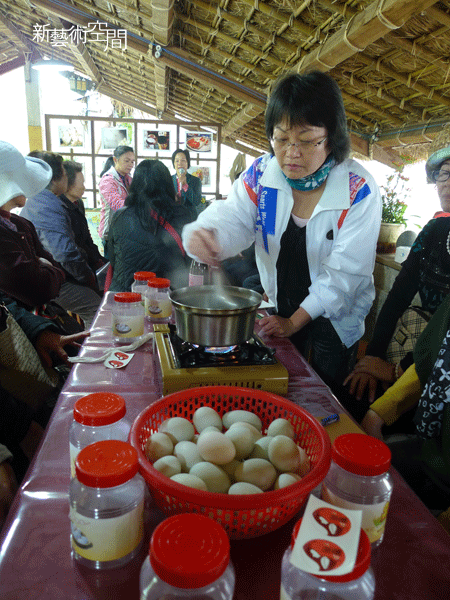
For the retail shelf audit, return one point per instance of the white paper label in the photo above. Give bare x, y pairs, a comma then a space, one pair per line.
328, 539
107, 539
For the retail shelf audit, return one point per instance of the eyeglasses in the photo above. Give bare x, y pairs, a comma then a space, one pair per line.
282, 145
440, 176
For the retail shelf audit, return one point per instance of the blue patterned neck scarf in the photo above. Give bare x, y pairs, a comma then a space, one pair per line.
315, 180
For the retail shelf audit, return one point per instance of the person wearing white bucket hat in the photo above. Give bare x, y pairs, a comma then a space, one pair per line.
28, 273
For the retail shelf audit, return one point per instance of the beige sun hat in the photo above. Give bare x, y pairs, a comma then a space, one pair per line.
435, 161
21, 175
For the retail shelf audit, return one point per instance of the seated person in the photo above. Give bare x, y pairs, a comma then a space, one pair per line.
50, 216
75, 208
28, 272
425, 271
423, 459
22, 426
145, 234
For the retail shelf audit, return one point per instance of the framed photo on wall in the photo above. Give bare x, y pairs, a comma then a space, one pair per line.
113, 137
71, 135
199, 142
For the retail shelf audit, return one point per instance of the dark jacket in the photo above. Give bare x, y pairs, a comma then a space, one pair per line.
193, 195
133, 248
83, 238
51, 219
22, 275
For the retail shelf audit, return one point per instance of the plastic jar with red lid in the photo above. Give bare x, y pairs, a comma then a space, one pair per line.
189, 557
98, 416
357, 585
158, 306
106, 505
127, 317
139, 284
358, 479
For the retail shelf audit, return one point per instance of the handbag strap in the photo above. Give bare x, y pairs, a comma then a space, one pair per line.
170, 230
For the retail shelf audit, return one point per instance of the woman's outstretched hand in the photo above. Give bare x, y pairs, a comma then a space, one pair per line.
203, 244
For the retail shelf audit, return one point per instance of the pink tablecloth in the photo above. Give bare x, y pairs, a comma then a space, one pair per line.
35, 561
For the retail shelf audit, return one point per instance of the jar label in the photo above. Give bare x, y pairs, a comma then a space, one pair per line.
107, 539
158, 307
196, 279
373, 515
128, 327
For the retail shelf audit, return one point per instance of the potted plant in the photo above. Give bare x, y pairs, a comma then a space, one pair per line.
393, 221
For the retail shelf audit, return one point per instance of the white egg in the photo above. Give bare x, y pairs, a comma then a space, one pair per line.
215, 447
235, 416
188, 455
281, 427
205, 416
158, 445
178, 428
305, 464
283, 454
168, 465
191, 481
254, 431
242, 439
261, 448
258, 471
244, 488
286, 479
216, 479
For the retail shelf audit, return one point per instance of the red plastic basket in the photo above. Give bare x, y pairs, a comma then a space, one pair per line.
243, 516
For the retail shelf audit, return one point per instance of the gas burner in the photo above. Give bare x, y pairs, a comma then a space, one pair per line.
251, 352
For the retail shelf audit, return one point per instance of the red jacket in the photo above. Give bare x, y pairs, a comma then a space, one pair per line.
22, 275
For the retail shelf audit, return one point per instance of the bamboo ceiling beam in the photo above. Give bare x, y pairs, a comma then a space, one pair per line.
226, 55
26, 44
407, 80
233, 41
162, 13
240, 119
366, 27
175, 61
217, 10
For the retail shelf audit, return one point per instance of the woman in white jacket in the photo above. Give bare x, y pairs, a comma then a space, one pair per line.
314, 215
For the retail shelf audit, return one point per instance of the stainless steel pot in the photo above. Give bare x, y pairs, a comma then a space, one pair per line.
215, 315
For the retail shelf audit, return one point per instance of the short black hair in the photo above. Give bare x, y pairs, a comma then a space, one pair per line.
185, 152
54, 160
313, 98
72, 168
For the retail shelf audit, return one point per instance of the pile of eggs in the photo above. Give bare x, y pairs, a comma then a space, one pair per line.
239, 460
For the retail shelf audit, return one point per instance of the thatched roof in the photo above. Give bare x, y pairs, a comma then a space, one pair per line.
217, 59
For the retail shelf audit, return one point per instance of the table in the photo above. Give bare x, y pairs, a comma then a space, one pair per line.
35, 561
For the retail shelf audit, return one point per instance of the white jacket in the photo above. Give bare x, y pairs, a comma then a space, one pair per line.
341, 268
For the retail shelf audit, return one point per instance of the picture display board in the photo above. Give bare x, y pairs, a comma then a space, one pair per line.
91, 140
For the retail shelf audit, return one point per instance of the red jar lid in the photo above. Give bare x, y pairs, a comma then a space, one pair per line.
98, 409
144, 275
361, 454
158, 282
106, 464
189, 551
127, 297
362, 562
